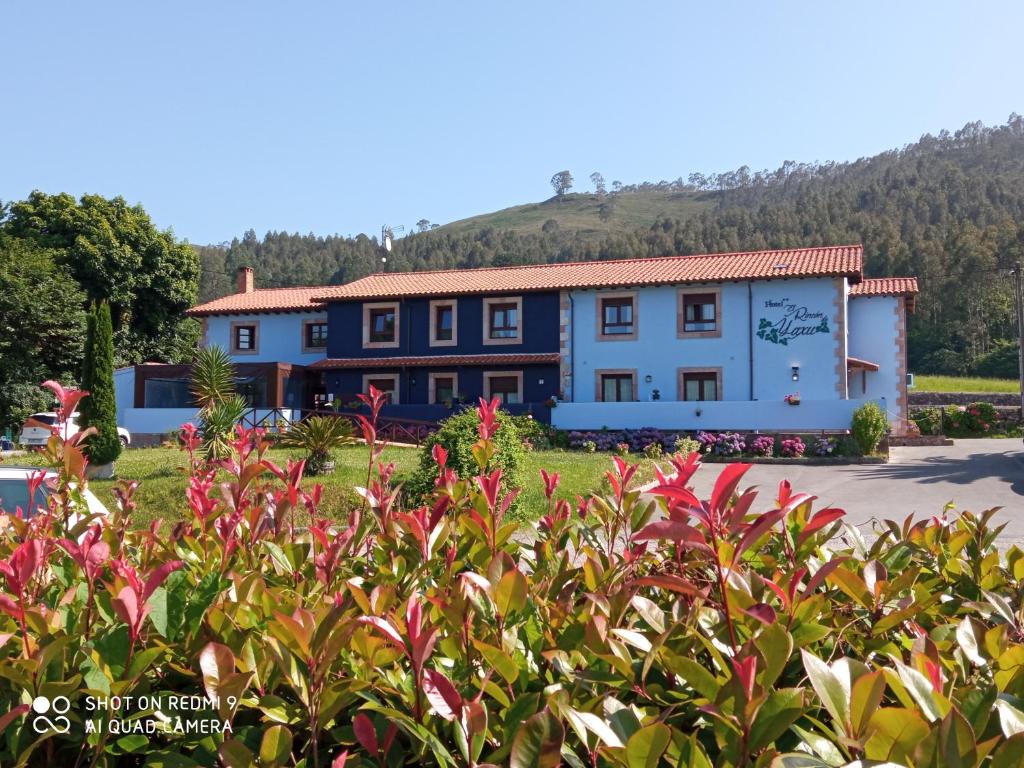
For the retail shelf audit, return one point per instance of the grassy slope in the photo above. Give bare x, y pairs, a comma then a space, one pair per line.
960, 384
161, 494
632, 210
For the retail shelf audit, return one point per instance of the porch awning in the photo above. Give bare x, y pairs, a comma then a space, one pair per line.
855, 363
333, 363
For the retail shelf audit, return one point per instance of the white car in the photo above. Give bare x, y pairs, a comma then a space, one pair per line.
14, 493
38, 427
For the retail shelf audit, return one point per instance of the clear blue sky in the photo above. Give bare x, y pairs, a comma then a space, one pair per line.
339, 117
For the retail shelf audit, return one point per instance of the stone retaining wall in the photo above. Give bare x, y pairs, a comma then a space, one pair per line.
922, 399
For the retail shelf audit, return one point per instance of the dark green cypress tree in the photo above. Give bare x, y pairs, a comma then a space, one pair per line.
88, 367
105, 446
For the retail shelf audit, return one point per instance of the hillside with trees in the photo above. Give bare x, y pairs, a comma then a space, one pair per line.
947, 208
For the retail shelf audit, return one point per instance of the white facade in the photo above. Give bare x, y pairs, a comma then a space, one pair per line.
280, 337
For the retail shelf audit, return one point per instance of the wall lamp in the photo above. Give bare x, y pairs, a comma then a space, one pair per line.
648, 378
796, 373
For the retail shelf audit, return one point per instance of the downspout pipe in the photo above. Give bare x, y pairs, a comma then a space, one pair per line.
572, 347
750, 336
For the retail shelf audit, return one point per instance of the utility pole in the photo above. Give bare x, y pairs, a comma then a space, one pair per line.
1018, 296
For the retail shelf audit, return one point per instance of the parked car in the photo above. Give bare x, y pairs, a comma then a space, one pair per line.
38, 428
14, 493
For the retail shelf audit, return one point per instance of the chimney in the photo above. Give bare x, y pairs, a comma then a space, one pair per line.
245, 280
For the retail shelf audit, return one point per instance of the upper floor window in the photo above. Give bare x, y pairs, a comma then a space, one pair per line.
700, 385
700, 313
244, 338
443, 323
617, 316
502, 321
314, 335
380, 325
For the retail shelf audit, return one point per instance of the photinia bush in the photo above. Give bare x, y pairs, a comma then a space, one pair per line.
625, 629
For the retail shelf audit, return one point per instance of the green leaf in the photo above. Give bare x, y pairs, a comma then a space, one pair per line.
692, 754
499, 661
865, 697
538, 744
645, 747
894, 733
1010, 753
511, 592
1011, 719
933, 704
834, 695
702, 681
170, 760
276, 746
780, 710
776, 646
235, 754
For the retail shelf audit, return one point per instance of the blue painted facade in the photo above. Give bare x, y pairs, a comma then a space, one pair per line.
279, 336
539, 332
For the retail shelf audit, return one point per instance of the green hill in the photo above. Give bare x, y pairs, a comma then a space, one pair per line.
590, 214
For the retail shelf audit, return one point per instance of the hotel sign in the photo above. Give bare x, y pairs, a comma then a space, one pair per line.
789, 322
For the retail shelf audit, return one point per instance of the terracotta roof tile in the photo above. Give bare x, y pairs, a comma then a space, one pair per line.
262, 300
331, 363
886, 286
856, 362
660, 270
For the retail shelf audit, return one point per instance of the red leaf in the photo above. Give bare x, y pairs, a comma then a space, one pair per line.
126, 606
820, 520
726, 484
757, 529
822, 573
385, 627
14, 714
671, 583
157, 577
762, 612
366, 733
442, 695
745, 671
675, 530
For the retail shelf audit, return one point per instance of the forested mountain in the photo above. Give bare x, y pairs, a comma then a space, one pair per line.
948, 208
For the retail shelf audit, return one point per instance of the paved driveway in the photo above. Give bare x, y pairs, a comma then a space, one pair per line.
973, 474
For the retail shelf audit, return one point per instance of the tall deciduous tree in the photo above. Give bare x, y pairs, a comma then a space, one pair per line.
105, 446
561, 182
41, 321
117, 255
598, 181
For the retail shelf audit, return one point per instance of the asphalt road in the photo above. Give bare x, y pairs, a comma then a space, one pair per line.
973, 474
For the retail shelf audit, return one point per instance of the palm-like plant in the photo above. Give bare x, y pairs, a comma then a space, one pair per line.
213, 377
318, 436
220, 407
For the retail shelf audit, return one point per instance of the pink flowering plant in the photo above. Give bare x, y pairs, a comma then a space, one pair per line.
792, 447
624, 628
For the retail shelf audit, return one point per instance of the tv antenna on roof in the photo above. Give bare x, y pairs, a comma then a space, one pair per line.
387, 239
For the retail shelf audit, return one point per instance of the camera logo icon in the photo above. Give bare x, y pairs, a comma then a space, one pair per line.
58, 706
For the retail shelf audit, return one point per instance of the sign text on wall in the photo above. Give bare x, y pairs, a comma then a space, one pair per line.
796, 321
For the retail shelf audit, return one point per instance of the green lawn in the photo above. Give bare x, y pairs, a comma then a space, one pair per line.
161, 490
964, 384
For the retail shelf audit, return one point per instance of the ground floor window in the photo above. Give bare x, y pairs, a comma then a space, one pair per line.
616, 386
700, 384
385, 382
507, 386
443, 387
253, 389
167, 393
